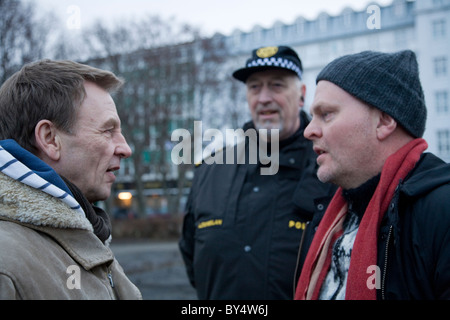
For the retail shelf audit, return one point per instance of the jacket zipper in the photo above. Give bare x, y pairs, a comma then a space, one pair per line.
298, 256
111, 282
386, 254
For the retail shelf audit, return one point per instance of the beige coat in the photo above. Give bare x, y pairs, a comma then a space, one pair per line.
48, 251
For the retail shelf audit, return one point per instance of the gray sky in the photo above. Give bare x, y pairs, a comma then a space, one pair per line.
209, 15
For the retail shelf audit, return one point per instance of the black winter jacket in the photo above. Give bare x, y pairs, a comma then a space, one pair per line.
414, 240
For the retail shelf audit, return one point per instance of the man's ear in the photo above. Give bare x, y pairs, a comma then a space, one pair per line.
47, 140
302, 97
386, 126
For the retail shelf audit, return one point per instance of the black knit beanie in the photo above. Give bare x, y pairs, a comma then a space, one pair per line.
387, 81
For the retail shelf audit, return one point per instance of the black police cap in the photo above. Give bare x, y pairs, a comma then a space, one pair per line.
266, 58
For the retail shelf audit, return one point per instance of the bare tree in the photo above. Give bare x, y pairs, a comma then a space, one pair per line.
222, 103
22, 36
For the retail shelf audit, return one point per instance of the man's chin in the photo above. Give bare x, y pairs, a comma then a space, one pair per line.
324, 175
98, 196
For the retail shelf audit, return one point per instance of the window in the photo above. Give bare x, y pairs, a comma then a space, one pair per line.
444, 143
399, 9
401, 38
184, 55
373, 41
442, 105
439, 28
300, 26
348, 45
440, 66
257, 34
126, 166
236, 38
278, 30
347, 16
324, 50
323, 22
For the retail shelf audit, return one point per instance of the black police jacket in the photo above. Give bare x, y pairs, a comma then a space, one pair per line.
242, 230
414, 239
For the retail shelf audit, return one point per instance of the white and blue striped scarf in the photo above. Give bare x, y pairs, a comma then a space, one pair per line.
23, 166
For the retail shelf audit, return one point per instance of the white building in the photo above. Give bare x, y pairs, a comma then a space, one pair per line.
422, 26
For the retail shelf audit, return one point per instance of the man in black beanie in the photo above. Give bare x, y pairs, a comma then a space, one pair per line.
385, 233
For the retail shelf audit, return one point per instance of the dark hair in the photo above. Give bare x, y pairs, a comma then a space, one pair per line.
50, 90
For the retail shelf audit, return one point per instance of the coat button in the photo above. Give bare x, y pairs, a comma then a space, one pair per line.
247, 248
320, 207
256, 189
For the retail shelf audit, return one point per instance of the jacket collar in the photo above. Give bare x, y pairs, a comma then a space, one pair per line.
33, 163
82, 245
24, 167
39, 211
430, 173
22, 203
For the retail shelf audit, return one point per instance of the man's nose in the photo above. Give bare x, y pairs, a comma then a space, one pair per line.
123, 149
265, 96
312, 131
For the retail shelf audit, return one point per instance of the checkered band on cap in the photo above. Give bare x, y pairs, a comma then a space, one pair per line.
276, 62
281, 57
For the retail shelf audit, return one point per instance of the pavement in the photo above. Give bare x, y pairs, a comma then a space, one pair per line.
156, 268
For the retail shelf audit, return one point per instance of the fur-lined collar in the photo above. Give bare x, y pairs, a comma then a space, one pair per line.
25, 204
32, 192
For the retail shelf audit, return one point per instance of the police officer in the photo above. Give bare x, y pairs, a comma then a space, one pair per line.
242, 228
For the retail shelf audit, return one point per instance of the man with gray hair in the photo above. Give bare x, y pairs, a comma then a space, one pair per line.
243, 229
60, 143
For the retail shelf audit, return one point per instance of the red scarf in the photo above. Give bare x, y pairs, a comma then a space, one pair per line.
364, 252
